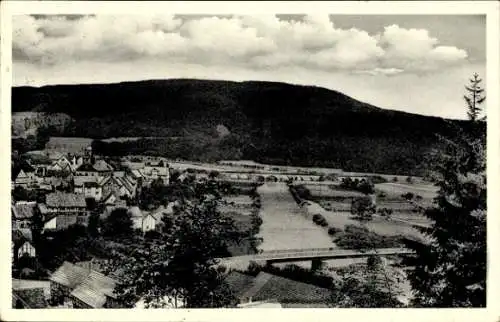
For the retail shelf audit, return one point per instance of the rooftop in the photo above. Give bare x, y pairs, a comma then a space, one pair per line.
89, 286
266, 286
22, 210
94, 289
69, 275
67, 200
101, 165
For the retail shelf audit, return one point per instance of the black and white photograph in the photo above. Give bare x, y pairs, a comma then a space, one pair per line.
274, 160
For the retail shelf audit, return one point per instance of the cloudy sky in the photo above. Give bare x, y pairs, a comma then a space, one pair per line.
417, 64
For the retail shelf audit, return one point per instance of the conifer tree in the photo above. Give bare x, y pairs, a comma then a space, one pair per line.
474, 97
450, 270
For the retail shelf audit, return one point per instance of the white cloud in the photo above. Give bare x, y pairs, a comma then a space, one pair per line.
251, 41
416, 50
381, 71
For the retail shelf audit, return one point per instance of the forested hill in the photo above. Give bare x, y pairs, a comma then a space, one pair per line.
267, 122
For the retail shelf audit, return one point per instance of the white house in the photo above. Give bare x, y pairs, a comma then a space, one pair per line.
136, 216
92, 190
22, 244
148, 222
26, 177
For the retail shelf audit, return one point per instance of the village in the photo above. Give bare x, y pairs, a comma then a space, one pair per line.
281, 205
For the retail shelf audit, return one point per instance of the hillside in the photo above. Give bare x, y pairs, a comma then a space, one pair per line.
266, 122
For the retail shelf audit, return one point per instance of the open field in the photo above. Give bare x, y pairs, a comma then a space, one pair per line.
68, 144
377, 225
284, 224
426, 191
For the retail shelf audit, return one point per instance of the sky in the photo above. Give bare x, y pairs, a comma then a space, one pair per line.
413, 63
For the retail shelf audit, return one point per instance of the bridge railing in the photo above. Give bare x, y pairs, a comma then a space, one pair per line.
327, 249
312, 252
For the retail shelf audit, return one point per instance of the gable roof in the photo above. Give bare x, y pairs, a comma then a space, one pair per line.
94, 289
266, 286
23, 210
69, 275
87, 167
136, 174
120, 181
239, 283
101, 165
21, 174
68, 200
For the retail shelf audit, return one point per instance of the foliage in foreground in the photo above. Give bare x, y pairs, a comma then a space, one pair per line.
178, 269
450, 271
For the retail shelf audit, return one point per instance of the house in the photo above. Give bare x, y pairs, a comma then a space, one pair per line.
22, 213
63, 209
82, 287
86, 170
80, 181
136, 216
112, 202
124, 186
103, 168
22, 244
151, 173
61, 165
92, 190
149, 221
26, 176
145, 221
76, 161
95, 292
266, 287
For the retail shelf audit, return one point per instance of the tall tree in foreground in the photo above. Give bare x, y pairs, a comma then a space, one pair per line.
450, 271
474, 97
179, 269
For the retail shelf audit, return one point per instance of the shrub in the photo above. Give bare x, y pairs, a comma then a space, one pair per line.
362, 208
320, 220
378, 179
408, 196
333, 230
386, 212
